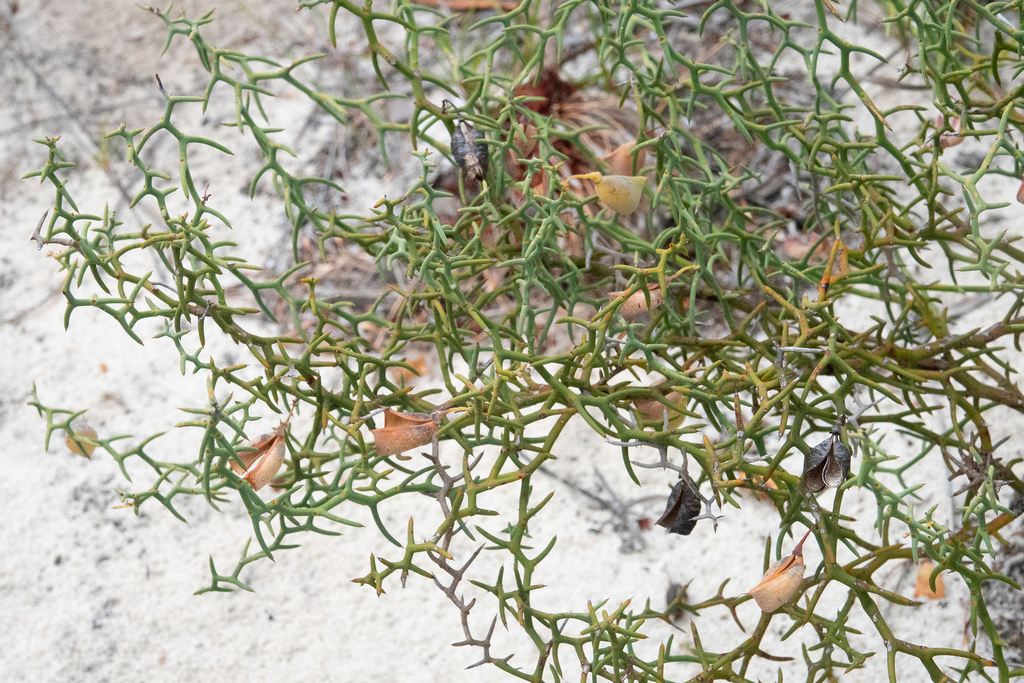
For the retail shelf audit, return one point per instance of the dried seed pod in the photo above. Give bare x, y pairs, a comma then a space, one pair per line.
620, 160
837, 268
253, 451
654, 410
407, 376
828, 463
620, 193
267, 464
81, 440
781, 580
947, 140
1020, 192
682, 509
636, 304
758, 485
470, 151
923, 587
263, 459
675, 597
403, 431
526, 142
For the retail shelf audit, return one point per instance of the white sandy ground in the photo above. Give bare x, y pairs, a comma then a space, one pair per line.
90, 592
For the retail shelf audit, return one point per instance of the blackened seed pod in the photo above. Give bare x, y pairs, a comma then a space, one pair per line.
828, 463
683, 506
480, 147
471, 159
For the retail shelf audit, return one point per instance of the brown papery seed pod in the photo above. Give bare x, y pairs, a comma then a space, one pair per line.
252, 452
262, 459
654, 410
620, 160
636, 305
526, 142
81, 440
781, 580
406, 376
403, 431
947, 140
1020, 192
923, 587
268, 464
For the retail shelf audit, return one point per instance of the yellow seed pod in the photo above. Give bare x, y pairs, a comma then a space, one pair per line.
620, 193
81, 440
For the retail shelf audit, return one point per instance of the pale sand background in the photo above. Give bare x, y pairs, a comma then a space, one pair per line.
93, 593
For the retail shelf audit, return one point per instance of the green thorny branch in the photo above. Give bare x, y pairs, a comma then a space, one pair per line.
512, 292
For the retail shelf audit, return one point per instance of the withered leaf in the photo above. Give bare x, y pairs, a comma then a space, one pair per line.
682, 509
